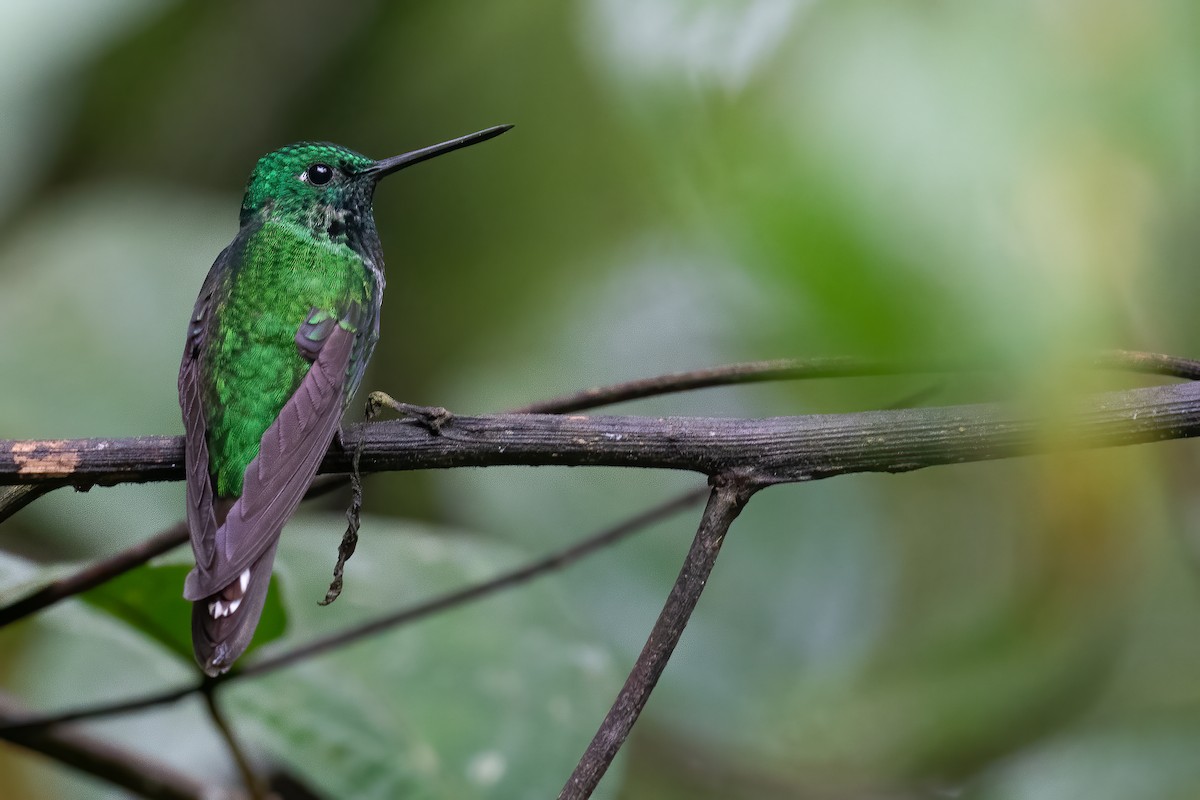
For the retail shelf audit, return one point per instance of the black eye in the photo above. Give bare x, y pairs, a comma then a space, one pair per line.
319, 174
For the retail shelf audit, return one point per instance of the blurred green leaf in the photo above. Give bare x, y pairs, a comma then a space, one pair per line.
492, 699
1151, 757
149, 599
20, 577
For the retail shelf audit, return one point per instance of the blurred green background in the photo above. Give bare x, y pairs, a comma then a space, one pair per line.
689, 183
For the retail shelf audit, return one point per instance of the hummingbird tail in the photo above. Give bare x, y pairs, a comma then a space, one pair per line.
223, 623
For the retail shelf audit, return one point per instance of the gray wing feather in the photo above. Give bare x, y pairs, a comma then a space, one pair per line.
218, 641
273, 485
277, 478
201, 516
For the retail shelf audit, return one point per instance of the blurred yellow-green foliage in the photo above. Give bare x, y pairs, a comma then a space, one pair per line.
690, 182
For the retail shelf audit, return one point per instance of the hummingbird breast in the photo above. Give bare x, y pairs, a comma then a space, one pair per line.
279, 273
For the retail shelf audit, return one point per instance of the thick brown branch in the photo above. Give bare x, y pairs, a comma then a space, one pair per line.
783, 448
724, 504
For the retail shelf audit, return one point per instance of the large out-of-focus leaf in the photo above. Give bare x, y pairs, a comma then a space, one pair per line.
39, 42
720, 43
1151, 757
19, 577
494, 699
150, 599
98, 286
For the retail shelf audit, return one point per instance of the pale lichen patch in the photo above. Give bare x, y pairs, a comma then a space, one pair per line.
52, 457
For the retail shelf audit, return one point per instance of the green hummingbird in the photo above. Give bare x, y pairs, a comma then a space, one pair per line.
278, 341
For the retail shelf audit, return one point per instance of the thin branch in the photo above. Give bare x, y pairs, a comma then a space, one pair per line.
554, 561
105, 569
804, 369
506, 580
17, 724
1147, 363
249, 777
131, 771
94, 574
725, 502
14, 498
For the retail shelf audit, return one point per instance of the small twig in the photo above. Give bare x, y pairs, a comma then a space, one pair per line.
507, 580
105, 569
478, 591
95, 574
254, 784
17, 724
726, 375
14, 498
132, 771
1147, 363
805, 369
729, 494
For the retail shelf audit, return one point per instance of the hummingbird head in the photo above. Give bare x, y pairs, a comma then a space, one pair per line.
328, 186
301, 179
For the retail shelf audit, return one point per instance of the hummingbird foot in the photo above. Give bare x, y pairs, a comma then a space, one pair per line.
431, 418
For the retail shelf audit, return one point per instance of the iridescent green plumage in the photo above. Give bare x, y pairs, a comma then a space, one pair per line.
253, 340
279, 339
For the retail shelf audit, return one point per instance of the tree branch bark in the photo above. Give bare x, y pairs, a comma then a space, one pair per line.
781, 448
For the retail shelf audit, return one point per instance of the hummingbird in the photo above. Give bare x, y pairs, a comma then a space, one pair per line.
277, 345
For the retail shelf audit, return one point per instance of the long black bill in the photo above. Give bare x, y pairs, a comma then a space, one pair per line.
389, 165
